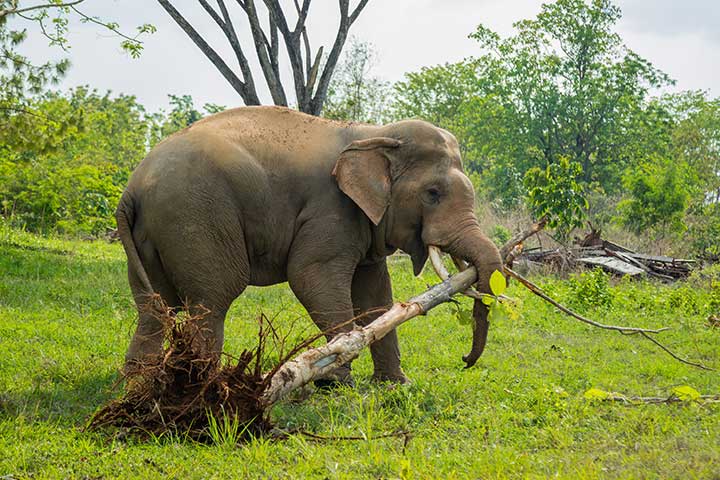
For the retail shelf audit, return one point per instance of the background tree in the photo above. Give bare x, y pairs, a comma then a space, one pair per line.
354, 93
564, 86
311, 84
74, 186
22, 77
182, 114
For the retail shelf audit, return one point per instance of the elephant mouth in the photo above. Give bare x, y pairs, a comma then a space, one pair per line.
418, 251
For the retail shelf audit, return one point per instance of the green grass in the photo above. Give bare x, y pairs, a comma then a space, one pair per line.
66, 317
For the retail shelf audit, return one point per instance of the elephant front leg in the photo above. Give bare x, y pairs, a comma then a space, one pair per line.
323, 288
371, 295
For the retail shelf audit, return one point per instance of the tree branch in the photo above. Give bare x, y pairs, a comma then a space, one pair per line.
15, 10
305, 38
302, 15
248, 95
292, 44
110, 27
345, 22
645, 332
226, 26
354, 15
521, 237
264, 51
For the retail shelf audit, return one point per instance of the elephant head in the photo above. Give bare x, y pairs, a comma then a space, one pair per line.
409, 181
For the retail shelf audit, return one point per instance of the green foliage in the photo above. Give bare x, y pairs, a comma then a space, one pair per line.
555, 193
564, 87
20, 77
590, 289
657, 196
704, 231
69, 176
500, 235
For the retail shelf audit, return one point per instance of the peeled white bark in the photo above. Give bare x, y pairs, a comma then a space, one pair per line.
435, 255
316, 362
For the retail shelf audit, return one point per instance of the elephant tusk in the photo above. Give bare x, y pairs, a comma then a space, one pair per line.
436, 261
460, 263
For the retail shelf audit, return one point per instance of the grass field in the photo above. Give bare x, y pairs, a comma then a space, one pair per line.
66, 317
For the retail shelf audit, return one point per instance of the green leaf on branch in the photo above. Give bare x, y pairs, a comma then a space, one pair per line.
686, 393
488, 299
498, 284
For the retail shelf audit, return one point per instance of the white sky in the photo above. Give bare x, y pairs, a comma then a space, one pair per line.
681, 38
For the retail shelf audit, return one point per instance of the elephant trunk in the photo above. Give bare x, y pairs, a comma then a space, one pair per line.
474, 247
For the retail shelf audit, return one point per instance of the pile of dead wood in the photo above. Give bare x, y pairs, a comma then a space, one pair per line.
594, 251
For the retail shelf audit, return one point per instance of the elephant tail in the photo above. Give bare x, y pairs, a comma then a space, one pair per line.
125, 216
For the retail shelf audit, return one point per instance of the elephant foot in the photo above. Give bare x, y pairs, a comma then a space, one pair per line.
341, 376
327, 384
397, 378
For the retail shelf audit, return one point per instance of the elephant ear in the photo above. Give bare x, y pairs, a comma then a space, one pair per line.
363, 174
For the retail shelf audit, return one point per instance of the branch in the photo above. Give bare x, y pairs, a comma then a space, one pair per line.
624, 330
669, 352
292, 44
248, 95
267, 55
312, 75
316, 362
520, 238
302, 15
616, 397
358, 9
226, 26
302, 12
16, 10
345, 22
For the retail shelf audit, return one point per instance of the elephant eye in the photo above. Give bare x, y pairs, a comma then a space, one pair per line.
432, 196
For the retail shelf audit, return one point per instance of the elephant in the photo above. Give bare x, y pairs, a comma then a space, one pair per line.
263, 195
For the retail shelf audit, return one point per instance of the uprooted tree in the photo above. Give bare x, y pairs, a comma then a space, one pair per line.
311, 84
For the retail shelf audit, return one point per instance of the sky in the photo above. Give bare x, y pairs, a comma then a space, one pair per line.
680, 38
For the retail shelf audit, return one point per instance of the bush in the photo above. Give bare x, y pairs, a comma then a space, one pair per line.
555, 193
500, 235
591, 289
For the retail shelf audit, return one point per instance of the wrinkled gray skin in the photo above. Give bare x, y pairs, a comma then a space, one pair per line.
263, 195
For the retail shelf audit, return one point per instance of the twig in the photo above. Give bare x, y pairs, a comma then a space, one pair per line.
537, 291
682, 360
615, 397
520, 238
333, 438
645, 332
16, 10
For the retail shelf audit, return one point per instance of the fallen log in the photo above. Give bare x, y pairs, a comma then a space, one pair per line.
316, 362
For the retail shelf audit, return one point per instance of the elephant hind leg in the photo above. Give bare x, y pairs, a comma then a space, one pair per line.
209, 271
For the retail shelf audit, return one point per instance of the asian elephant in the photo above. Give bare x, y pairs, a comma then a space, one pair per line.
263, 195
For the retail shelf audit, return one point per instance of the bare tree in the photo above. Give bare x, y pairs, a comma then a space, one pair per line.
311, 85
355, 94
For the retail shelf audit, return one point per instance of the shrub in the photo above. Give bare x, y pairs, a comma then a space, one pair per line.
591, 289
